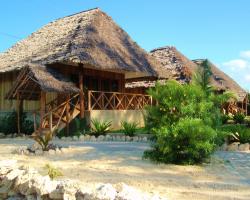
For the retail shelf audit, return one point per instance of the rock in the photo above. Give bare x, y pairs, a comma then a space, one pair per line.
65, 190
63, 138
31, 197
106, 191
43, 185
35, 147
58, 151
108, 138
224, 147
2, 135
92, 139
75, 138
123, 138
25, 183
101, 138
87, 137
135, 139
39, 152
233, 147
51, 152
128, 138
126, 192
244, 147
144, 139
81, 138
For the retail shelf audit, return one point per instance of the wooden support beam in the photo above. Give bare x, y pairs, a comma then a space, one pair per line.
67, 115
18, 113
42, 107
81, 96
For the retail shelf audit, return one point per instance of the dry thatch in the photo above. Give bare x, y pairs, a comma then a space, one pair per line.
35, 78
180, 68
90, 37
222, 81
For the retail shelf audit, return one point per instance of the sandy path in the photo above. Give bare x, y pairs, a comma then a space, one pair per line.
227, 177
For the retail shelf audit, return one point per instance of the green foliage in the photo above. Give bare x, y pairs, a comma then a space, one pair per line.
237, 133
77, 127
100, 128
189, 142
184, 122
239, 118
8, 123
53, 172
129, 129
224, 119
43, 139
202, 77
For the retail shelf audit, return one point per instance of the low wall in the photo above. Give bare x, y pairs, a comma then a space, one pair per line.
117, 116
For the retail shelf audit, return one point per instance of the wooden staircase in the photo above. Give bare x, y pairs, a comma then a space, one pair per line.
57, 117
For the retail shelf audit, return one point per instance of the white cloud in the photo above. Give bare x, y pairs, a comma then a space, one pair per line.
247, 78
245, 54
236, 64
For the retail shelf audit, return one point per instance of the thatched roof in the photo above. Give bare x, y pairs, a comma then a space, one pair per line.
222, 81
180, 68
35, 78
90, 37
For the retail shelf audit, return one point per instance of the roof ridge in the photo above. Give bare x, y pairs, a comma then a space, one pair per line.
77, 13
162, 48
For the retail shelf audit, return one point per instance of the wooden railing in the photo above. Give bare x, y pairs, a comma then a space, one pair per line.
98, 100
61, 114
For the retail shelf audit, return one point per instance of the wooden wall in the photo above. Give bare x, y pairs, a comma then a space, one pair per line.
6, 82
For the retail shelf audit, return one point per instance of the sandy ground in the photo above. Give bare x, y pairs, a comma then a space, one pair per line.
227, 177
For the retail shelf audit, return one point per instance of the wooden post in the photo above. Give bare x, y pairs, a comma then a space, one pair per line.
42, 107
34, 118
50, 122
89, 100
81, 95
18, 113
67, 115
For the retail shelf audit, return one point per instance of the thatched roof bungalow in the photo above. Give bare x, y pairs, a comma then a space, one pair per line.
180, 68
78, 54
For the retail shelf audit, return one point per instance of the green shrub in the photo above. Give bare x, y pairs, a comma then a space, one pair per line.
129, 129
239, 118
100, 128
190, 142
53, 172
43, 139
237, 133
184, 123
224, 119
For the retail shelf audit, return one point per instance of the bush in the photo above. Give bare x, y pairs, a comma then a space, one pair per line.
189, 142
100, 128
53, 172
184, 123
224, 119
239, 118
237, 133
129, 129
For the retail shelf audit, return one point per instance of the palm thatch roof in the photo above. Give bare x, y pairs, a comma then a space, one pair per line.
35, 78
180, 68
90, 37
222, 81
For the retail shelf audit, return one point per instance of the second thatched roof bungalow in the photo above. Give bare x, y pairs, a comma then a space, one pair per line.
76, 65
178, 67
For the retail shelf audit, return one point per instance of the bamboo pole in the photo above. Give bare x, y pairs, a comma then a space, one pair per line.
42, 108
67, 115
18, 113
81, 96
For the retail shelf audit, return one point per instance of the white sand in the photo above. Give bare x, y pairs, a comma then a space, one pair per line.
122, 162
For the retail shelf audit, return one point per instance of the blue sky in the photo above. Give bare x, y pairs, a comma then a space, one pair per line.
214, 29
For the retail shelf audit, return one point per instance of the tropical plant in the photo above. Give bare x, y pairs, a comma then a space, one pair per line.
224, 119
239, 118
43, 139
100, 128
129, 129
184, 122
53, 172
202, 77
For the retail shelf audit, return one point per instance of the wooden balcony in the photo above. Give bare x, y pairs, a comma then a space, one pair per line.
98, 100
